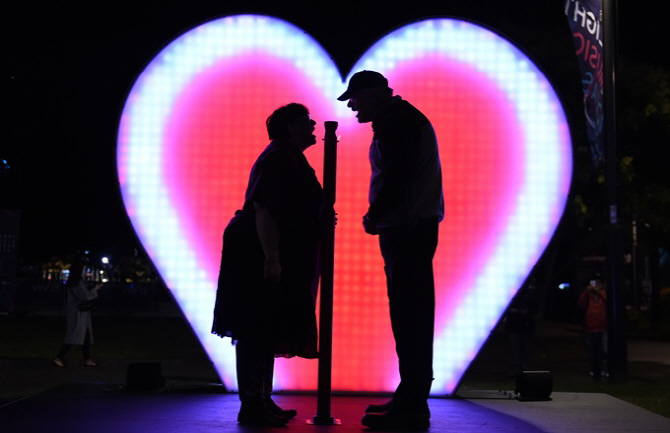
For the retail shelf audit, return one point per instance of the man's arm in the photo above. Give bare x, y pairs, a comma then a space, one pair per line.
397, 138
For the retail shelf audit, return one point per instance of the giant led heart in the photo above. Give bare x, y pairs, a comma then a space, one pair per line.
193, 124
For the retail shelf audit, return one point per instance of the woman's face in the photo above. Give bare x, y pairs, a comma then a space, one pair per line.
301, 132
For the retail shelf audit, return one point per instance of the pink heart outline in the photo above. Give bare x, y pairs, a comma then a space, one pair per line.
538, 203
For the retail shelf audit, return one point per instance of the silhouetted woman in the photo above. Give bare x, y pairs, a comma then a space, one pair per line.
268, 278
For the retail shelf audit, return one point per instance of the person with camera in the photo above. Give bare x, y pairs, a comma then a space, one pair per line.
593, 301
78, 296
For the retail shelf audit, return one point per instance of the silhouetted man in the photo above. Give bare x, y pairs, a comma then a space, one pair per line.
406, 206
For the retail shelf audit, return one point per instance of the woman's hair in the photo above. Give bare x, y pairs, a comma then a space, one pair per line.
277, 123
74, 276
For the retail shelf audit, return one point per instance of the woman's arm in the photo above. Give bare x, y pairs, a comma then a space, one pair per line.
268, 233
82, 293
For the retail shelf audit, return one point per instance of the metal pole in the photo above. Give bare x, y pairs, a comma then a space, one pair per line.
323, 415
616, 339
636, 299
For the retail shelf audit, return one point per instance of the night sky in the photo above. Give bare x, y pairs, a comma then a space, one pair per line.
70, 69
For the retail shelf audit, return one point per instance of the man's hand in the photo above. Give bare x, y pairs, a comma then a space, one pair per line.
369, 226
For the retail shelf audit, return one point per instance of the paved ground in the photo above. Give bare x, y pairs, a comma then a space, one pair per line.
35, 393
94, 407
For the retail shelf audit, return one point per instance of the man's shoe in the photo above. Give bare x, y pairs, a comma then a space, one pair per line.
278, 411
396, 420
379, 408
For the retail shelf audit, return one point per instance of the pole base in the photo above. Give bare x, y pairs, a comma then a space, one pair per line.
324, 420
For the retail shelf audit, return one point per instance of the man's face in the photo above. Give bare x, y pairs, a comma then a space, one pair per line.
302, 132
364, 104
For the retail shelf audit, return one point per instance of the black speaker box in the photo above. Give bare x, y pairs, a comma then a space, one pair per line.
147, 376
534, 385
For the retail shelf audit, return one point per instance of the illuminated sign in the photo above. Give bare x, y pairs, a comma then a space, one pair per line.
193, 125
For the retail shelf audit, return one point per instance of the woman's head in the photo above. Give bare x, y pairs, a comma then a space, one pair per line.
76, 272
291, 123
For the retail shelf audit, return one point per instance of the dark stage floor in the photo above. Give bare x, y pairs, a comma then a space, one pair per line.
101, 407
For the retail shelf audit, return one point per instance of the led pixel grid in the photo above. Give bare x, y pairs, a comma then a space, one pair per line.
193, 124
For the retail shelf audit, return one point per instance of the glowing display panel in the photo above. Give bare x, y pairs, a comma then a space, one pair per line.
193, 125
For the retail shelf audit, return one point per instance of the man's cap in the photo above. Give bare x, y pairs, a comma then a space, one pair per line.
363, 80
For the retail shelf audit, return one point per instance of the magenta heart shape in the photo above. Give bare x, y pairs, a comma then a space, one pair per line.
193, 125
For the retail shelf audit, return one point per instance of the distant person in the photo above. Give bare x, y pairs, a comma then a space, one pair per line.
78, 296
593, 300
266, 295
406, 206
519, 326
